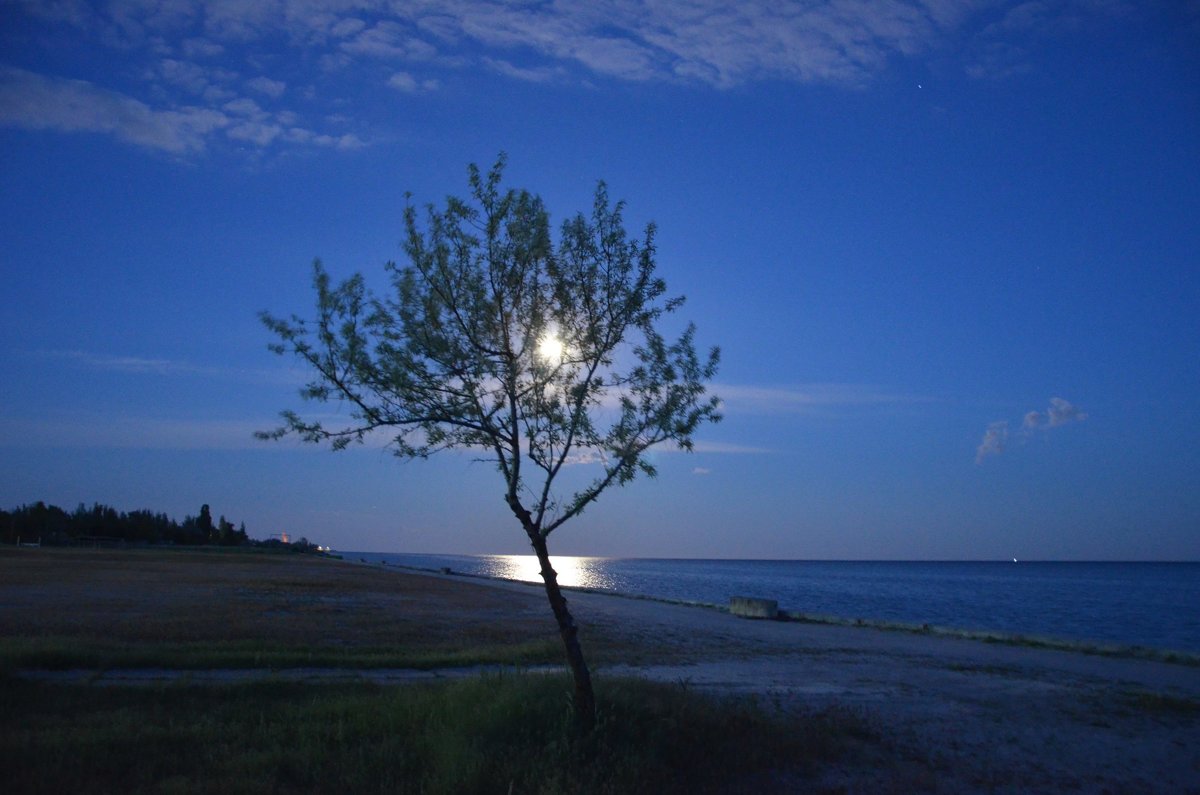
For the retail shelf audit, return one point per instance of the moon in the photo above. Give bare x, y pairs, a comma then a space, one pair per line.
550, 348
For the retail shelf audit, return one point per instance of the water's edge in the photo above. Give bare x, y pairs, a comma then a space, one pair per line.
986, 636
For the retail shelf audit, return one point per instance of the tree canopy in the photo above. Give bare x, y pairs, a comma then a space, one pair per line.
50, 525
539, 356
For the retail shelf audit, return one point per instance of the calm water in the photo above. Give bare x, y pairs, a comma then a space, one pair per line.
1141, 604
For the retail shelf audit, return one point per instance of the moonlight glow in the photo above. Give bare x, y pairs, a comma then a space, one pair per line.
550, 349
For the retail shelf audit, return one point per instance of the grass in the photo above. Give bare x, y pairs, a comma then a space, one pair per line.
494, 734
63, 653
103, 609
84, 608
69, 608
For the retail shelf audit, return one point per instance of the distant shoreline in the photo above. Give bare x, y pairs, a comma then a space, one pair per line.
1136, 652
863, 561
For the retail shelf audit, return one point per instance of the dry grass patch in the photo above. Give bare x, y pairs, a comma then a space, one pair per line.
227, 608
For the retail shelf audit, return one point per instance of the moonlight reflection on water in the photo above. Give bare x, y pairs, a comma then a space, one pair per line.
579, 572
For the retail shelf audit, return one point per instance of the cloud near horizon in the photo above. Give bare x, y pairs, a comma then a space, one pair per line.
808, 398
996, 436
289, 375
198, 56
135, 433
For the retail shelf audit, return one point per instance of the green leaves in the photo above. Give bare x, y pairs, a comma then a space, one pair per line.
449, 356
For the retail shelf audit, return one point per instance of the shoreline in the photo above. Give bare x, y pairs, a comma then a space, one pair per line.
947, 713
1119, 651
965, 713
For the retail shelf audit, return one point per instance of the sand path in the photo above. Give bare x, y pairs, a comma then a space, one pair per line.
957, 715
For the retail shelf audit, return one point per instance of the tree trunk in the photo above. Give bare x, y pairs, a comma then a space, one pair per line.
585, 699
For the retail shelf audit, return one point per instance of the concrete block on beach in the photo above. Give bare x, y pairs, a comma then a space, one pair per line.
749, 607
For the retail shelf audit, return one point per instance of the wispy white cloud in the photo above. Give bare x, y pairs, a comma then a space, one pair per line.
240, 21
713, 41
149, 366
198, 46
1001, 48
995, 440
808, 397
37, 102
32, 101
267, 86
1060, 412
537, 74
192, 77
345, 141
727, 448
345, 28
132, 364
813, 400
144, 433
389, 40
405, 82
255, 132
246, 107
847, 42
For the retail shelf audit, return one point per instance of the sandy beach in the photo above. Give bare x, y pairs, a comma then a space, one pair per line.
947, 715
957, 715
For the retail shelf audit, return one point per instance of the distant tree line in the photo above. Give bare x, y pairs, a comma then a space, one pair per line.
102, 524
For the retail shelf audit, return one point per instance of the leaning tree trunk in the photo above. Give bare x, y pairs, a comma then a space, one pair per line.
585, 699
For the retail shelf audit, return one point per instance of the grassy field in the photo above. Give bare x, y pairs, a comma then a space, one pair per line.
510, 733
67, 608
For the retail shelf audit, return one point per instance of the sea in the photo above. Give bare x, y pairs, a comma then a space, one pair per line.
1148, 605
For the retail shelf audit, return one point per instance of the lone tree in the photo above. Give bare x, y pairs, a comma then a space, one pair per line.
542, 358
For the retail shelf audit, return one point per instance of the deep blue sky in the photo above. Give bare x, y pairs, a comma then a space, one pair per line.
950, 250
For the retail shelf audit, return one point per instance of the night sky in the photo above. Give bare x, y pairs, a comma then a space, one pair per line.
950, 252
